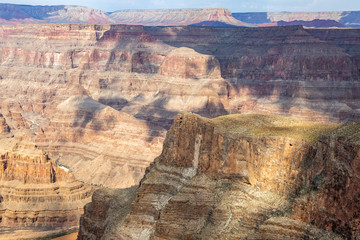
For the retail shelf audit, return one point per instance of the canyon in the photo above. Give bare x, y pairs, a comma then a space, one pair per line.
100, 98
105, 95
239, 177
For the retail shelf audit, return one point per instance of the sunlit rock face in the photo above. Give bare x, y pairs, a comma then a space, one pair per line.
101, 97
239, 177
34, 191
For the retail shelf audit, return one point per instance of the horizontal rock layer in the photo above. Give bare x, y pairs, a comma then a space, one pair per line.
16, 14
175, 17
104, 95
311, 19
240, 177
34, 191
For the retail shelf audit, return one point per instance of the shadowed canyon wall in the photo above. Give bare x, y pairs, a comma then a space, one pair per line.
239, 177
101, 97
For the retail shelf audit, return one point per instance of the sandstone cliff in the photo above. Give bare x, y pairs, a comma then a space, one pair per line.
104, 95
239, 177
34, 191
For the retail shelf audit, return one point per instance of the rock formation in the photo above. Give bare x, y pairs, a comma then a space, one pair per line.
175, 17
25, 14
28, 14
34, 191
311, 19
239, 177
104, 95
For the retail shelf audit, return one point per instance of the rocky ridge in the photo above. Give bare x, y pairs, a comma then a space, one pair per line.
239, 177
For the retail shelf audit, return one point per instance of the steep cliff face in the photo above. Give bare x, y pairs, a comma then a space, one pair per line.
34, 191
332, 202
241, 177
104, 95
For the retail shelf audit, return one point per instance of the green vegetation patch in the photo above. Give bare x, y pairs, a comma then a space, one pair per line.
239, 125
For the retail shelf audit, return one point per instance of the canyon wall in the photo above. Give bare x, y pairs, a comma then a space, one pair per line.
239, 177
104, 95
340, 19
34, 191
30, 14
175, 17
221, 17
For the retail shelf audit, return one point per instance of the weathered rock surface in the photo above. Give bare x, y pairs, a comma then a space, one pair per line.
34, 191
104, 95
240, 177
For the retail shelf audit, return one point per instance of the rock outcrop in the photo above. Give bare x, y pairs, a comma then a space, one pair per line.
239, 177
34, 191
104, 95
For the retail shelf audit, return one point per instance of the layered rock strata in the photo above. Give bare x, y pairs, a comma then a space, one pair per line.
175, 17
239, 177
104, 95
25, 14
35, 192
312, 19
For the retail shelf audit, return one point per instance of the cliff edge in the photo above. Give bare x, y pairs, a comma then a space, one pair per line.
239, 177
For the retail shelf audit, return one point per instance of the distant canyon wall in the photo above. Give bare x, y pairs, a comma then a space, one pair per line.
222, 17
342, 19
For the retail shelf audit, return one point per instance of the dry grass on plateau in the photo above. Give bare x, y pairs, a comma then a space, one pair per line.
265, 125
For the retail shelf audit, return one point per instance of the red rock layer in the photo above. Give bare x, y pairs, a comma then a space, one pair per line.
26, 169
34, 191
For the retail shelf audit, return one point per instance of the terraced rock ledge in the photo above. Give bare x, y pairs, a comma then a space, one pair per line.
35, 192
239, 177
